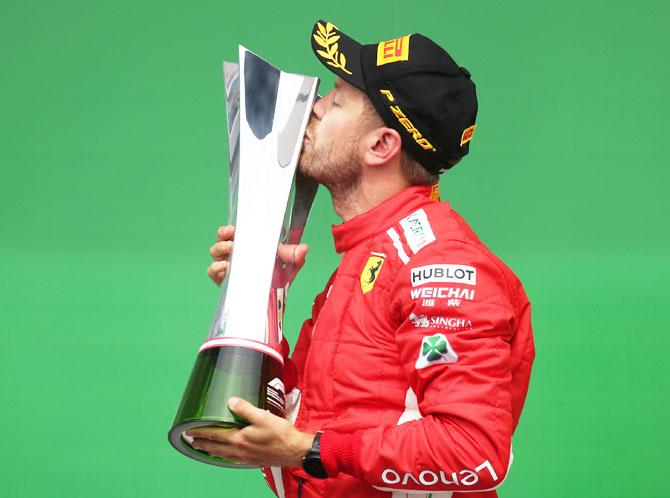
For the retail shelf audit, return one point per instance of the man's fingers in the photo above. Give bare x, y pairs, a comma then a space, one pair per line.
217, 267
217, 271
213, 448
288, 253
293, 253
226, 232
299, 254
221, 250
220, 435
208, 445
243, 409
220, 253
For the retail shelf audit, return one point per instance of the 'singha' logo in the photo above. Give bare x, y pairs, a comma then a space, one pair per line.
419, 320
440, 322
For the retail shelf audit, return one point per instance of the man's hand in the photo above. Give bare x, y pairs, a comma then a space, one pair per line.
268, 441
288, 253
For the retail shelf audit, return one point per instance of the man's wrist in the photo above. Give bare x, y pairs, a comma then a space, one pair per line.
302, 445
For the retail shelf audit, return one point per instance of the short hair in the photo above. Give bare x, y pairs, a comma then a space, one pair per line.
414, 173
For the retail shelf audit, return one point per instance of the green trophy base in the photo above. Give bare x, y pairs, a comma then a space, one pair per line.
218, 374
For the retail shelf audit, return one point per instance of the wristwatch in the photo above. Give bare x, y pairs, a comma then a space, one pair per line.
311, 462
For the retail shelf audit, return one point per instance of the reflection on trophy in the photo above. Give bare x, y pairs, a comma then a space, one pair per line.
267, 111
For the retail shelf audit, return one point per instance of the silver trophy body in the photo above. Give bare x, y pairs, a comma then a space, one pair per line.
267, 112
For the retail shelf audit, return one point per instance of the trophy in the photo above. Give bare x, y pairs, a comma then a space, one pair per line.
267, 112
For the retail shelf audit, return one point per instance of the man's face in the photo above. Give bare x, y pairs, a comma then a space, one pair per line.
331, 152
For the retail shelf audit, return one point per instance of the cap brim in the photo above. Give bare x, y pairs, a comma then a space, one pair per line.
338, 52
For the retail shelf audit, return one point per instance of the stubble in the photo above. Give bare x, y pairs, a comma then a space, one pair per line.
334, 164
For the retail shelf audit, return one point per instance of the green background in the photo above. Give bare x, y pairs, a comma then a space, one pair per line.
113, 159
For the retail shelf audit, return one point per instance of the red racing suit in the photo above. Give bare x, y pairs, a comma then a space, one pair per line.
415, 362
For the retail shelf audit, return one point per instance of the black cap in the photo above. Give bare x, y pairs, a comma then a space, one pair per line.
416, 87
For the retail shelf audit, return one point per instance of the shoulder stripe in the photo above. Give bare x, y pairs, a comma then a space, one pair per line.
397, 243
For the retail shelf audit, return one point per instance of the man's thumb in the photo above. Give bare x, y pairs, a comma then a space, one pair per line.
299, 254
245, 410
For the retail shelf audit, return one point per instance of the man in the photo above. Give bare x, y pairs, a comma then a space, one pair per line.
414, 367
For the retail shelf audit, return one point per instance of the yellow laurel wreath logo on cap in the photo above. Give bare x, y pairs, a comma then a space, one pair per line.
327, 38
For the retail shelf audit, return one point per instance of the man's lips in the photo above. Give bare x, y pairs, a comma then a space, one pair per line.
308, 132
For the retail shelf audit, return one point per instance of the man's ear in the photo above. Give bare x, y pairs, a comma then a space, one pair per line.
381, 146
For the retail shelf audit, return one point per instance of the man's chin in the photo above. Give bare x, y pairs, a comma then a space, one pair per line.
302, 168
304, 165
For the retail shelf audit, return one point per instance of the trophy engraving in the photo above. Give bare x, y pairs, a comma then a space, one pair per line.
267, 112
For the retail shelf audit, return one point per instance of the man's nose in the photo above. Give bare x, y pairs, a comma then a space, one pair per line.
318, 108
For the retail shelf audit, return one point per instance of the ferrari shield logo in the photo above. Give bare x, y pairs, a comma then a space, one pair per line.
371, 271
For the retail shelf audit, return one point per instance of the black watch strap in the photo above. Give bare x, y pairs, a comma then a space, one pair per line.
311, 462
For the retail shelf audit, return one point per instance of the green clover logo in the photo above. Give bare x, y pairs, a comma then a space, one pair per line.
434, 347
